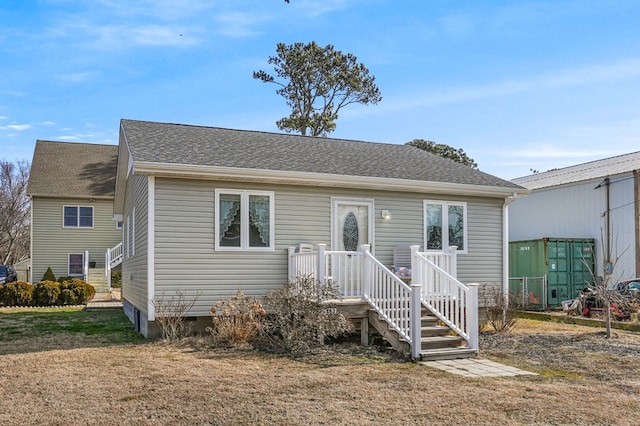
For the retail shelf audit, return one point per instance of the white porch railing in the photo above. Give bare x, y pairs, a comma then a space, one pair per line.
343, 268
112, 258
452, 302
360, 274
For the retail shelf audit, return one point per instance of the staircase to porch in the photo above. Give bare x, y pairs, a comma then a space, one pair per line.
96, 277
433, 317
437, 341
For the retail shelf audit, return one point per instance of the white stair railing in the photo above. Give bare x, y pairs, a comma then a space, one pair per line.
452, 302
112, 258
389, 296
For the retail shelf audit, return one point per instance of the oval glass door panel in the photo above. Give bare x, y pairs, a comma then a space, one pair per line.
350, 232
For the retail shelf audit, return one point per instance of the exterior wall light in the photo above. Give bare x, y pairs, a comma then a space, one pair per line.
386, 214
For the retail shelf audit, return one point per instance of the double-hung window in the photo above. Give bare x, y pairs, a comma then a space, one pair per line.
78, 216
244, 220
445, 225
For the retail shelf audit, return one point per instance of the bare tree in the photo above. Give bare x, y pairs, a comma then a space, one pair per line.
14, 211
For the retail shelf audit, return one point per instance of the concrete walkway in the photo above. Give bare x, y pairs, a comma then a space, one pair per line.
472, 367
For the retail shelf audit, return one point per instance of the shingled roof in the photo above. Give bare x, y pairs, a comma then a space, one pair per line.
74, 170
165, 143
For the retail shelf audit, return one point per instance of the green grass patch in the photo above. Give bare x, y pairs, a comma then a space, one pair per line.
110, 325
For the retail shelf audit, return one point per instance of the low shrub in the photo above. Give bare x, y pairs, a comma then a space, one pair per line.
75, 292
236, 321
46, 293
501, 310
171, 313
17, 293
303, 314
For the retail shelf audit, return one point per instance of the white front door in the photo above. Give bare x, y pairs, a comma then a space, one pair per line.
352, 224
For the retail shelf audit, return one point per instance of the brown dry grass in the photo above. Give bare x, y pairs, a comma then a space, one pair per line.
72, 378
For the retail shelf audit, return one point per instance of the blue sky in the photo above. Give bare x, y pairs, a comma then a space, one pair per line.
519, 85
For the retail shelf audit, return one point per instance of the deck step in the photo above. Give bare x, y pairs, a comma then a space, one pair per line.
435, 330
447, 353
440, 342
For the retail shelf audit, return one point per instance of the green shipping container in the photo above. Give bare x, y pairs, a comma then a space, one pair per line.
566, 265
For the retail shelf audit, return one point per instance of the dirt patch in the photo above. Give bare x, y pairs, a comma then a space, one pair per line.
71, 380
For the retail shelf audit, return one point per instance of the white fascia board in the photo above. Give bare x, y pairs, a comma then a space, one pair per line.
319, 179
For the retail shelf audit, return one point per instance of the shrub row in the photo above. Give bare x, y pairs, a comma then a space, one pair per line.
73, 291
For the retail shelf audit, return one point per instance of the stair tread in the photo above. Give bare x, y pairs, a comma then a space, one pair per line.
441, 338
447, 353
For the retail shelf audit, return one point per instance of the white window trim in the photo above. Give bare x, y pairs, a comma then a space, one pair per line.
445, 225
133, 232
244, 219
128, 236
77, 206
69, 264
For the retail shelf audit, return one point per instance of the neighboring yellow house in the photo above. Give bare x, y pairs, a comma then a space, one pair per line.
71, 187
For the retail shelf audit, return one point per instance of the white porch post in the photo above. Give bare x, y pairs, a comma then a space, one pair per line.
85, 267
415, 320
453, 261
320, 270
291, 252
472, 315
366, 271
107, 268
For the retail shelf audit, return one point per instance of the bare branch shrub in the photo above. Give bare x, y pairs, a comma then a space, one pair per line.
501, 310
236, 321
171, 312
302, 314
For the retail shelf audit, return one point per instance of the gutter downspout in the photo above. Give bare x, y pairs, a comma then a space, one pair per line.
505, 244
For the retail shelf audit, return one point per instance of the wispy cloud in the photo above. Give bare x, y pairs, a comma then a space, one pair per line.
585, 75
76, 77
239, 24
318, 7
16, 127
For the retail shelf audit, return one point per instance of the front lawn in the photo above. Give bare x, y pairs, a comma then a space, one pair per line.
70, 366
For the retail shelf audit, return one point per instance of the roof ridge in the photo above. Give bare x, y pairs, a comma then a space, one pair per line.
308, 137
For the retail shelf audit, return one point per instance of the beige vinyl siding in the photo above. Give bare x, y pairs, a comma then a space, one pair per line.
134, 267
52, 242
185, 255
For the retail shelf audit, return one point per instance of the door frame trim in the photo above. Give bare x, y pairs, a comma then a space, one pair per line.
337, 201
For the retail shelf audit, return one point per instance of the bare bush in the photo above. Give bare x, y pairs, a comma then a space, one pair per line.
501, 310
236, 321
171, 313
302, 314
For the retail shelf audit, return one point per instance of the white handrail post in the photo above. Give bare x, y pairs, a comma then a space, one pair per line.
415, 265
472, 317
320, 272
107, 269
366, 270
85, 267
415, 320
453, 261
291, 252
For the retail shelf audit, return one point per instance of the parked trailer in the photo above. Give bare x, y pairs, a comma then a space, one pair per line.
567, 263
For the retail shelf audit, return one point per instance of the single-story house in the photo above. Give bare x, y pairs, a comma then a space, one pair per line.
598, 200
71, 187
210, 210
